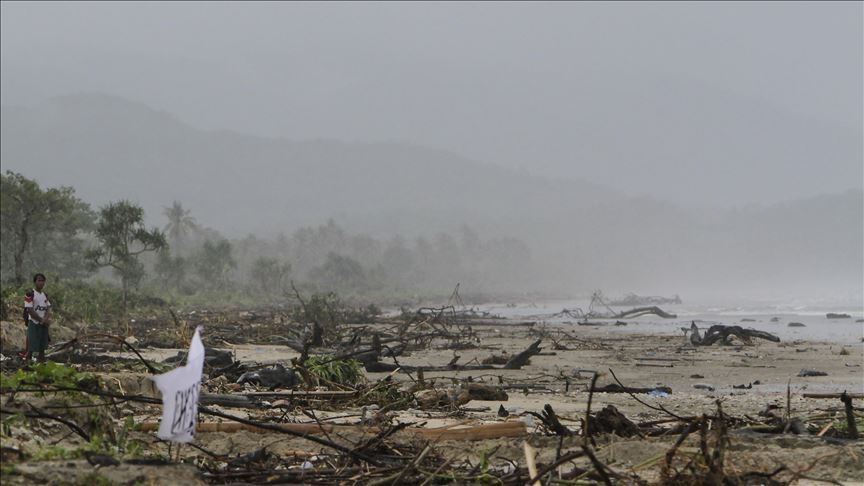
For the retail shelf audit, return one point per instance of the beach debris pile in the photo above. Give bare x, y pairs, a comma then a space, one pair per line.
353, 404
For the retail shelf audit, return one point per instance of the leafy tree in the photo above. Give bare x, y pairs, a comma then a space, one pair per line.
213, 262
41, 229
270, 274
398, 262
311, 245
180, 223
122, 237
170, 270
339, 272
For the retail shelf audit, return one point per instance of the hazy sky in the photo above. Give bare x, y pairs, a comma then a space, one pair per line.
705, 103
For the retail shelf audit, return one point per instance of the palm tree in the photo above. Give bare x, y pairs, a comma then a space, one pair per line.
179, 224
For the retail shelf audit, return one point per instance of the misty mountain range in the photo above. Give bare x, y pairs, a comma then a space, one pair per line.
582, 235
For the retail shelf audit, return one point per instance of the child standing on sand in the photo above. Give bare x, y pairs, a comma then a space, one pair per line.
37, 308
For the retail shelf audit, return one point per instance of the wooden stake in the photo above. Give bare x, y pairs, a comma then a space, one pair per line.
529, 460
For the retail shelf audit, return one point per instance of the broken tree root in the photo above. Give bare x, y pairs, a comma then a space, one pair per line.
720, 332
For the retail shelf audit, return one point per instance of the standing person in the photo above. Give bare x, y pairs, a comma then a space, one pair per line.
37, 307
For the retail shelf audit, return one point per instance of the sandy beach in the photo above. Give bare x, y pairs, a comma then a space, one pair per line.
746, 379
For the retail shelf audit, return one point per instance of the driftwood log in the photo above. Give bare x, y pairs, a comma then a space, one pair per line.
642, 311
720, 332
616, 388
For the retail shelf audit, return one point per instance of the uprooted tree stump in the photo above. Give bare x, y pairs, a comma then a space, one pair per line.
521, 359
550, 421
720, 332
610, 420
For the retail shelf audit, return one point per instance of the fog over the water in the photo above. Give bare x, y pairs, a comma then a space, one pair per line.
691, 148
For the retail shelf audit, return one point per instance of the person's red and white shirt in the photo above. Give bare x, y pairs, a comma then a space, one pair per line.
37, 301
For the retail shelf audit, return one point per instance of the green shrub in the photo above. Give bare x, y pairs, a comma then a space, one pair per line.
79, 301
48, 373
347, 372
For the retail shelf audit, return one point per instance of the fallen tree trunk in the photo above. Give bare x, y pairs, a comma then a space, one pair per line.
857, 396
497, 322
224, 400
616, 388
479, 432
719, 332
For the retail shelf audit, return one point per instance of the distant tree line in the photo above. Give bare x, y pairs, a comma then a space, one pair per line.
53, 231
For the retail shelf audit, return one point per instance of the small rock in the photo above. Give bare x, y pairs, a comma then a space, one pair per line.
696, 376
703, 386
100, 459
796, 324
502, 412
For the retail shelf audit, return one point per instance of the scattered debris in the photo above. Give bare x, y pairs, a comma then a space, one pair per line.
272, 378
806, 372
327, 417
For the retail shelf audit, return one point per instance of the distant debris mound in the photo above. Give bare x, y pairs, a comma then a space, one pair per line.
643, 300
598, 303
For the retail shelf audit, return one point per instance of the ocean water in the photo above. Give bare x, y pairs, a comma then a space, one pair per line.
817, 328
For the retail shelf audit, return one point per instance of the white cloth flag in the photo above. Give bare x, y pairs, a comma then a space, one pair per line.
179, 389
